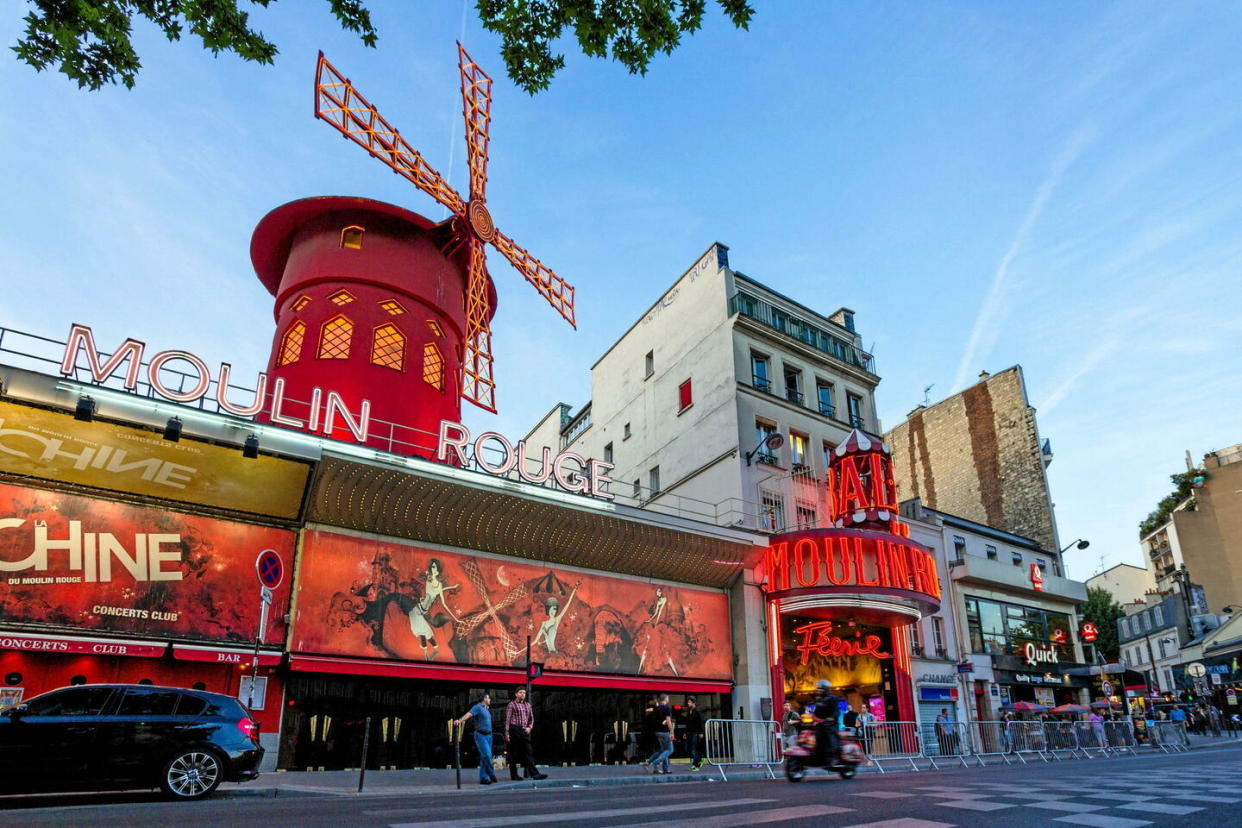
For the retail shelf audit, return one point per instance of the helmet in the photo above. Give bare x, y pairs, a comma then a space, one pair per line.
823, 686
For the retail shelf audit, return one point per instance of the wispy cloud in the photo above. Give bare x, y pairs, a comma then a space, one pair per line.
987, 323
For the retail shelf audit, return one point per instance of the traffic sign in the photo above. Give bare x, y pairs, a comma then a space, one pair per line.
1196, 669
270, 568
1107, 687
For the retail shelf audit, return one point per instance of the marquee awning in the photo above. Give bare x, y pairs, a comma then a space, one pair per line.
425, 501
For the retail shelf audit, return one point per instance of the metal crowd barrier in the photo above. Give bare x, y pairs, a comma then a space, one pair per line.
1090, 736
1120, 736
1027, 737
1059, 737
1170, 737
892, 741
991, 739
945, 741
742, 742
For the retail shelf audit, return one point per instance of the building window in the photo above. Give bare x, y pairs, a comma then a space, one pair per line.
793, 385
855, 407
823, 395
388, 348
653, 478
760, 372
771, 511
805, 514
434, 327
301, 302
351, 237
1043, 566
764, 430
938, 636
334, 338
291, 345
1124, 626
991, 550
959, 548
799, 449
828, 447
916, 637
685, 398
392, 307
625, 435
1157, 616
638, 489
608, 453
1017, 559
650, 364
433, 366
341, 298
1007, 629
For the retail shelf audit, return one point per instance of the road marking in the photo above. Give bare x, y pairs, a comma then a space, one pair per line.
904, 822
1203, 798
973, 805
602, 794
535, 819
750, 817
1160, 808
886, 795
1075, 807
1101, 821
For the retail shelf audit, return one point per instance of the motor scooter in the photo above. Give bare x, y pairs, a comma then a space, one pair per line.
803, 755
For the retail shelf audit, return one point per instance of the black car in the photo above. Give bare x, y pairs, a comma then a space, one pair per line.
113, 736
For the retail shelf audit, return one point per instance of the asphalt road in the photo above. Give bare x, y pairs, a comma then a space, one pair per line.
1203, 787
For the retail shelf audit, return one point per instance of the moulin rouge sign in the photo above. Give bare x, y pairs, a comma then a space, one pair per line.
568, 470
851, 558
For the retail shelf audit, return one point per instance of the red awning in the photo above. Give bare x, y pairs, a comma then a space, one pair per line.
497, 675
222, 655
88, 646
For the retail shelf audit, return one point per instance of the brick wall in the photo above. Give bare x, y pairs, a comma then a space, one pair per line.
977, 455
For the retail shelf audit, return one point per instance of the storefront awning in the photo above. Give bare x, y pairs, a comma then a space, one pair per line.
223, 655
74, 645
426, 501
490, 676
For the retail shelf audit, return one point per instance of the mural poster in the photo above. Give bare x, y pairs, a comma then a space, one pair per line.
367, 598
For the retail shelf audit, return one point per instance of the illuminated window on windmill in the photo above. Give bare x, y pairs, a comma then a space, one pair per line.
388, 348
291, 345
433, 366
341, 297
302, 301
351, 237
392, 307
435, 327
334, 338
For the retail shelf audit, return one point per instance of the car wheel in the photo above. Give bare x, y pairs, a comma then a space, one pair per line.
191, 774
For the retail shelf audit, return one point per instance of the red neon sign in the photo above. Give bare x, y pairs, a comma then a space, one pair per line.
817, 639
850, 558
1037, 578
1089, 632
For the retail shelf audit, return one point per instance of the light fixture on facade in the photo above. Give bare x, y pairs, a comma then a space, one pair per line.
172, 429
771, 441
85, 410
1077, 544
251, 448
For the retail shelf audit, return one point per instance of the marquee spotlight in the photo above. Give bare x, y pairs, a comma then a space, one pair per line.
251, 449
85, 410
172, 430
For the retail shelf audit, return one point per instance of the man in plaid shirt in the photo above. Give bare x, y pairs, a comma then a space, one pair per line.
519, 719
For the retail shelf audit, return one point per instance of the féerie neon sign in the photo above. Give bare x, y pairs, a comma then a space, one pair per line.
816, 638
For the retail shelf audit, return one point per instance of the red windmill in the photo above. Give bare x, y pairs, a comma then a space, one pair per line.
343, 268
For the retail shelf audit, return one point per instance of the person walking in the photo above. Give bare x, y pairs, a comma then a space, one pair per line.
662, 717
944, 735
790, 720
865, 719
519, 721
482, 715
693, 719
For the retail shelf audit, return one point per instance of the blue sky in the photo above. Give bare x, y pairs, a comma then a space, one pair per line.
1049, 184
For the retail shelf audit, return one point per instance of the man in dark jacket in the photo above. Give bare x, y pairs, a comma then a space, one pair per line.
693, 719
827, 712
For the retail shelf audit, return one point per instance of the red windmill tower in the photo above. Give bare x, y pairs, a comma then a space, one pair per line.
379, 303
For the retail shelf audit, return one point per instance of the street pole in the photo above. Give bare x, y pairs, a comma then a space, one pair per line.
366, 742
258, 638
528, 701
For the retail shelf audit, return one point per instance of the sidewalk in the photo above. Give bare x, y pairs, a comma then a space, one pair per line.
440, 781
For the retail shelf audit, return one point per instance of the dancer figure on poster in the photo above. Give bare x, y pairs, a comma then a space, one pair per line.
421, 619
657, 638
548, 629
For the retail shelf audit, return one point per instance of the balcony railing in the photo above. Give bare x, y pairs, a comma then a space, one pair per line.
856, 421
827, 409
764, 457
781, 320
761, 383
795, 396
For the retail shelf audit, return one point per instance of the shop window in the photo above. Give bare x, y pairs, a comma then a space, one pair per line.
301, 302
391, 307
433, 366
685, 396
351, 237
388, 348
334, 338
341, 298
291, 344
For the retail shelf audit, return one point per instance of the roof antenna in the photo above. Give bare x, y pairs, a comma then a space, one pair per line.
927, 395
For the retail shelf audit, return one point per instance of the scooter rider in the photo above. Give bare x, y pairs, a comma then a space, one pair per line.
826, 707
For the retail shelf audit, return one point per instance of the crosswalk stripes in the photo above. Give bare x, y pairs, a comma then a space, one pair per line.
563, 817
752, 817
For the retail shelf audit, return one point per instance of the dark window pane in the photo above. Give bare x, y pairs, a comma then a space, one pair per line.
148, 703
191, 706
86, 701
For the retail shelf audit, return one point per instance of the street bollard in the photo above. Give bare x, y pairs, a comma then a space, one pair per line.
362, 767
455, 733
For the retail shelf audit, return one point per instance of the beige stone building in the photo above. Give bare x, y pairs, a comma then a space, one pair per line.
978, 455
1204, 535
